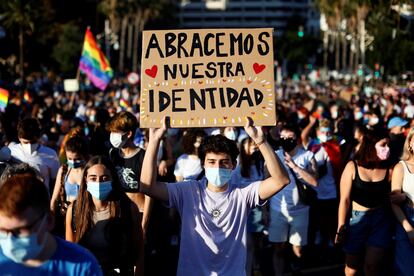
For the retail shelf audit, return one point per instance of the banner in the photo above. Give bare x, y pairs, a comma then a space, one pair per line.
207, 78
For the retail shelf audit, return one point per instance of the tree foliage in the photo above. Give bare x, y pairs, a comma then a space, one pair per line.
68, 49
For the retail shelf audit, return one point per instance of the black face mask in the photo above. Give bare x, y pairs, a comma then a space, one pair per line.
288, 144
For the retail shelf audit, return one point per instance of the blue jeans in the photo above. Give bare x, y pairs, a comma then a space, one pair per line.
404, 250
369, 228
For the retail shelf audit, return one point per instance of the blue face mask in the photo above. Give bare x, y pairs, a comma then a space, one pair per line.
74, 164
99, 190
218, 176
21, 249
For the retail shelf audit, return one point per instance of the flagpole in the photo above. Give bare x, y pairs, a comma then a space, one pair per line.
78, 71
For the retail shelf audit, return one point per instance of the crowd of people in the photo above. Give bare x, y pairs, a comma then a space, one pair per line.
85, 191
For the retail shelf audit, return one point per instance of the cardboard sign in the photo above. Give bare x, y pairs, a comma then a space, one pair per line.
207, 78
71, 85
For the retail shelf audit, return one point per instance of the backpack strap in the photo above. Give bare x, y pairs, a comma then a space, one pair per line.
73, 216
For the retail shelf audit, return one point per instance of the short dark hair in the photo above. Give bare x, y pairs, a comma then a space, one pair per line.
77, 144
21, 192
218, 144
18, 169
292, 128
29, 128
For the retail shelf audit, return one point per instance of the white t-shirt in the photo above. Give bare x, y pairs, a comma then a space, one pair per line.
408, 182
409, 111
188, 167
326, 184
213, 232
44, 159
287, 200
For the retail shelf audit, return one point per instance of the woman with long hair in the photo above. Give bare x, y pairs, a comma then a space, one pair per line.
68, 180
105, 221
69, 176
364, 189
250, 168
403, 181
188, 166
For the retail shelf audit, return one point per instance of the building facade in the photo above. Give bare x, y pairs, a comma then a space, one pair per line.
247, 14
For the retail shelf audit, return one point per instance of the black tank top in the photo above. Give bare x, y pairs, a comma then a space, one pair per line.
370, 194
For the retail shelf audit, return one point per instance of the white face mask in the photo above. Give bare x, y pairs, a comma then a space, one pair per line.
29, 149
232, 135
324, 138
117, 139
358, 115
373, 120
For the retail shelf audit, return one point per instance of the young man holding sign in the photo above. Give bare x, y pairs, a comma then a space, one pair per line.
214, 210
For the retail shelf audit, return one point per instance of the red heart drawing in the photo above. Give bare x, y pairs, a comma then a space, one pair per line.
258, 67
152, 72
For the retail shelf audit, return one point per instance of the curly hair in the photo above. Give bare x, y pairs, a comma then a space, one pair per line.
218, 144
123, 122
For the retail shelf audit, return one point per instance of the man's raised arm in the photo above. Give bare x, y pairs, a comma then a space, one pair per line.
279, 178
149, 184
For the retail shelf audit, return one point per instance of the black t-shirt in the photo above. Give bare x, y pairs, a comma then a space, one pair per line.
128, 169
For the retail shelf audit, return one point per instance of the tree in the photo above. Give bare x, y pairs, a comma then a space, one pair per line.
68, 49
128, 18
20, 15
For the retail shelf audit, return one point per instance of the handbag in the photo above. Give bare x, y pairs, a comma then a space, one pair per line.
307, 195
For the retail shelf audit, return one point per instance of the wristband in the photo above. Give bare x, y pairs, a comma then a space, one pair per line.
260, 143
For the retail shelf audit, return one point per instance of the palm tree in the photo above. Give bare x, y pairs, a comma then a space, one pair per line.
128, 17
331, 10
20, 14
143, 11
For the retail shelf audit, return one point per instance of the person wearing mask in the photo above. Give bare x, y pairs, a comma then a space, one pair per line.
358, 114
40, 157
26, 245
188, 166
364, 189
396, 127
231, 132
328, 158
250, 168
403, 183
105, 221
289, 217
214, 210
127, 159
68, 179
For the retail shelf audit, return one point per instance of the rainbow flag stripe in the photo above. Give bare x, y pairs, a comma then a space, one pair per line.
124, 103
4, 99
26, 97
93, 62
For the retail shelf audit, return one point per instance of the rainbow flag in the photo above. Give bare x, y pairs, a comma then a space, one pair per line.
4, 99
26, 97
93, 62
124, 103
